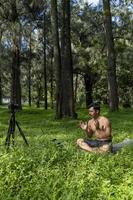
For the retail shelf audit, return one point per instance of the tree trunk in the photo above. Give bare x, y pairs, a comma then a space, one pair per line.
44, 63
67, 69
88, 89
51, 81
75, 89
0, 70
0, 88
57, 57
111, 70
15, 74
15, 67
29, 72
38, 96
89, 80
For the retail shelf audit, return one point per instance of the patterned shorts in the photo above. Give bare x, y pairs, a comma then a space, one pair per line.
97, 143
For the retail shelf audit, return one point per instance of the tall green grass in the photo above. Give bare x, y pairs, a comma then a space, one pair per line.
54, 168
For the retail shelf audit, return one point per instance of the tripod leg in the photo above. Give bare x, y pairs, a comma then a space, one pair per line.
21, 133
8, 136
11, 130
8, 139
13, 138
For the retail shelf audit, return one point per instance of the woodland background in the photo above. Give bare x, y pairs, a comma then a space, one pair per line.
65, 54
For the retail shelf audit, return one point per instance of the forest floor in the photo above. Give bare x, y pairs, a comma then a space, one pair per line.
54, 168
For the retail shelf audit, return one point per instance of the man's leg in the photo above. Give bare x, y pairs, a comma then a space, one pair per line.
105, 148
83, 145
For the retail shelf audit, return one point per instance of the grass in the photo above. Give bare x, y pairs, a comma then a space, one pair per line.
53, 168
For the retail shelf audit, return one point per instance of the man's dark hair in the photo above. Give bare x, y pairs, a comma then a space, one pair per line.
96, 106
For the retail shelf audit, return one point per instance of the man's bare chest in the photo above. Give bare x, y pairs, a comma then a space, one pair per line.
95, 125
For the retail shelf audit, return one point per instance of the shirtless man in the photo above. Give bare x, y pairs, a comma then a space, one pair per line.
100, 128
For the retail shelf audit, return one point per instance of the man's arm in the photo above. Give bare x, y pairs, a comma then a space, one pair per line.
87, 128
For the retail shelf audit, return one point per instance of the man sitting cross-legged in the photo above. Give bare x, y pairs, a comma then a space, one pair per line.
100, 128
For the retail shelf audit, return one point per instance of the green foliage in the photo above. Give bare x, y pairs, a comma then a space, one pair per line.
124, 43
52, 167
88, 46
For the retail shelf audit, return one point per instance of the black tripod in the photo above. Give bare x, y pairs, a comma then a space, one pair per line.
11, 130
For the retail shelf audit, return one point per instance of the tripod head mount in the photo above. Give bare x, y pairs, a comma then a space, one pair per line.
13, 107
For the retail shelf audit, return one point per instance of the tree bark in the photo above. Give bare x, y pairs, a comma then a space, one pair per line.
111, 69
38, 96
89, 80
75, 89
67, 68
51, 81
0, 70
57, 57
29, 71
15, 67
44, 63
88, 89
15, 74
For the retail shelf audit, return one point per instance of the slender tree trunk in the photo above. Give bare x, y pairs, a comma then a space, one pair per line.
51, 82
15, 74
15, 67
0, 70
88, 89
67, 68
89, 80
44, 63
75, 89
29, 71
38, 96
112, 83
0, 88
57, 57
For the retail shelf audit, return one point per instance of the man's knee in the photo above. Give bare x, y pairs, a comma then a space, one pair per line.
105, 148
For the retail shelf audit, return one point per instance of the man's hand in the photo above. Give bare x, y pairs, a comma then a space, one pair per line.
96, 123
83, 125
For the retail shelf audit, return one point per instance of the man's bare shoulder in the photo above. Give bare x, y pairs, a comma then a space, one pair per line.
104, 119
90, 121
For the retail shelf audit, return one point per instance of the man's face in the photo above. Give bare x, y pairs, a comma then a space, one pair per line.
92, 112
